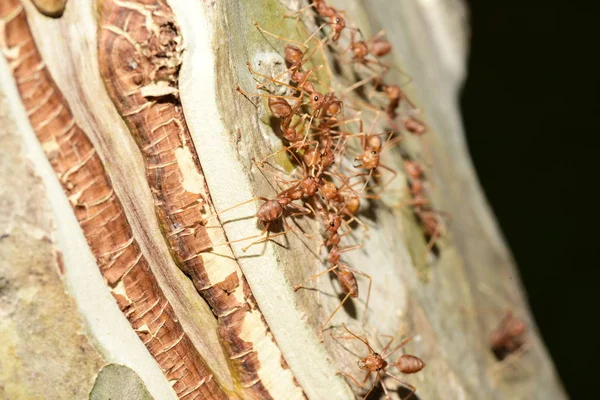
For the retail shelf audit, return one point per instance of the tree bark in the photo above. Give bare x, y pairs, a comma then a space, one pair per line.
123, 137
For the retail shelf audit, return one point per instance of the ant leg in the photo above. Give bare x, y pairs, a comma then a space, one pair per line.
377, 378
510, 359
275, 79
367, 181
236, 206
376, 36
265, 229
260, 28
362, 339
287, 148
350, 248
264, 239
320, 274
335, 311
247, 94
353, 379
407, 385
368, 290
398, 346
385, 389
390, 180
359, 84
387, 346
292, 229
436, 235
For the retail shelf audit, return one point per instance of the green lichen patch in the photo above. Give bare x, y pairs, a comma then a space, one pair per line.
117, 382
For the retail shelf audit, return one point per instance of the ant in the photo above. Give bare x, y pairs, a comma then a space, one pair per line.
370, 157
361, 50
395, 95
295, 59
343, 272
273, 210
376, 363
330, 14
509, 336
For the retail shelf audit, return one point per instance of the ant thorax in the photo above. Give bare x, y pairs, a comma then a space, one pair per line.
373, 362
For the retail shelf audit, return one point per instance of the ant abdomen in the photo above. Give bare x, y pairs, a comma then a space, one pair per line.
408, 364
279, 107
380, 48
270, 211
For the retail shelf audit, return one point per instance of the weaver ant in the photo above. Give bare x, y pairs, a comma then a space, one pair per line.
343, 272
375, 363
273, 210
509, 336
330, 14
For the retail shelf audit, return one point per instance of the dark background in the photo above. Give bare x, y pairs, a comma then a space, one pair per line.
532, 116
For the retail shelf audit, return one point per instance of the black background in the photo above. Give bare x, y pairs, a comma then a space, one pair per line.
532, 116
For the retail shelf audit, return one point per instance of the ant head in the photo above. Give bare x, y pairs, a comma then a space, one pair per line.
373, 362
316, 101
368, 160
334, 223
329, 190
360, 49
393, 91
309, 185
413, 169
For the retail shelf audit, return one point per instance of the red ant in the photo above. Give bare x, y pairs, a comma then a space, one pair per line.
395, 95
343, 272
363, 48
295, 58
272, 210
328, 13
370, 157
509, 336
376, 363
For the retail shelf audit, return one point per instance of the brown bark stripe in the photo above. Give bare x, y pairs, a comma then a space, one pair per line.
140, 52
101, 214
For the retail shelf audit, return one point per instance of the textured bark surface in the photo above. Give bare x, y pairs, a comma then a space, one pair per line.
134, 106
140, 52
100, 213
39, 322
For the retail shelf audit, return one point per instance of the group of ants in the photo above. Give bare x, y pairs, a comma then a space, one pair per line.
316, 132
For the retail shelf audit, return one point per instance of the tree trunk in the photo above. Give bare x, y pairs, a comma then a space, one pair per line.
123, 136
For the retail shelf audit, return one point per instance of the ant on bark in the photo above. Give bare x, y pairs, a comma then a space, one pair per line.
343, 272
273, 210
331, 15
375, 363
508, 337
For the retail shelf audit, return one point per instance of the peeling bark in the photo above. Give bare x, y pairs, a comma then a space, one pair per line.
100, 213
140, 49
176, 143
